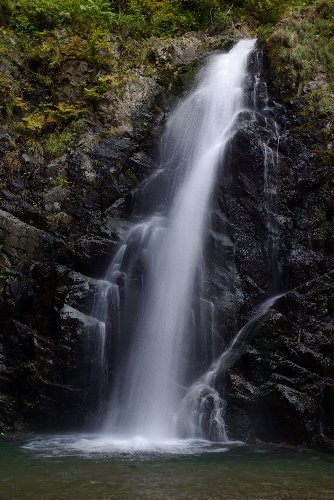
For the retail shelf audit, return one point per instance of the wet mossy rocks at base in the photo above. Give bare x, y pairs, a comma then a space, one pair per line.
85, 89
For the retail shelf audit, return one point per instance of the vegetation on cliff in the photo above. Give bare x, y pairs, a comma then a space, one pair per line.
65, 63
74, 71
301, 51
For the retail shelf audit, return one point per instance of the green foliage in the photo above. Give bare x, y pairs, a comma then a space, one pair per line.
265, 11
58, 142
32, 123
63, 113
34, 15
59, 220
138, 18
49, 51
301, 48
301, 44
103, 85
60, 181
169, 17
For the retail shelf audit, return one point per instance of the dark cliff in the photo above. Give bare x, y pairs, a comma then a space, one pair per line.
64, 210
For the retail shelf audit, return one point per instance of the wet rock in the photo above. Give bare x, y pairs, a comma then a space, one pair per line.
111, 149
30, 160
140, 163
291, 379
55, 197
280, 414
22, 242
78, 291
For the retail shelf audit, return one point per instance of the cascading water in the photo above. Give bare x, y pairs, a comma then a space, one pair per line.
155, 271
270, 146
203, 407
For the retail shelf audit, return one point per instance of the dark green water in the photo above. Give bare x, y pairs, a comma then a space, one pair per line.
50, 468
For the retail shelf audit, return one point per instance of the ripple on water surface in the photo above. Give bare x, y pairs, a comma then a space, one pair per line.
86, 466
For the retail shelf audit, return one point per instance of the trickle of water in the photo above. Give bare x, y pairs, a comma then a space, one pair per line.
157, 265
203, 407
270, 147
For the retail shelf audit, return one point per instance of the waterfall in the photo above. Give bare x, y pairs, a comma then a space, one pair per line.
202, 412
154, 273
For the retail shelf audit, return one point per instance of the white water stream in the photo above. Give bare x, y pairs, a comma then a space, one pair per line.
147, 389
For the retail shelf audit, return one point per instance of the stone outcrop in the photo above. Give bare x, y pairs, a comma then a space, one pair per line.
21, 242
281, 389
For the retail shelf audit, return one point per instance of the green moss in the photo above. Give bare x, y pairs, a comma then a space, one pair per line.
301, 49
60, 181
264, 11
32, 123
58, 142
58, 220
103, 84
33, 15
64, 113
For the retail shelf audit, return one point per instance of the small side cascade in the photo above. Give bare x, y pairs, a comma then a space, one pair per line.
108, 306
99, 366
204, 404
270, 147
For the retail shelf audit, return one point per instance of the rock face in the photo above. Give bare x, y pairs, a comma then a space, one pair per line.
271, 234
48, 265
21, 242
270, 231
281, 388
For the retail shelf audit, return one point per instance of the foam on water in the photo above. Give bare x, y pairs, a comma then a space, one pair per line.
104, 445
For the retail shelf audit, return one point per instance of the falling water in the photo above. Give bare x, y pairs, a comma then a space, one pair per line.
154, 272
270, 147
203, 407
